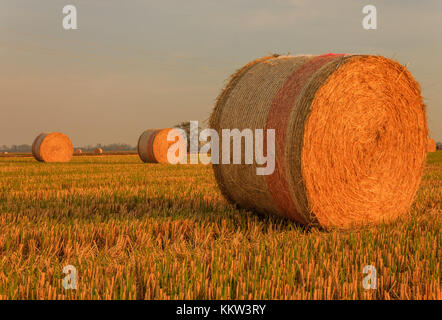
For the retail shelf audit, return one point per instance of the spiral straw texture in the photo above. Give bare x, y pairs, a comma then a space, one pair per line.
153, 145
52, 147
431, 146
350, 138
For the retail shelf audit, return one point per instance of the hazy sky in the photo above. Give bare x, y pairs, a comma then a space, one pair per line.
135, 64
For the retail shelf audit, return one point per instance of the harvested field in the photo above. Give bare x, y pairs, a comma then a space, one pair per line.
16, 154
154, 231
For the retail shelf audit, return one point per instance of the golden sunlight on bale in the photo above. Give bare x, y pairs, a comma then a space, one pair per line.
153, 145
78, 151
98, 151
52, 147
350, 138
431, 145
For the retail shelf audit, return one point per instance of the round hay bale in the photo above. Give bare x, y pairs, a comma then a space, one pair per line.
98, 151
431, 145
52, 147
153, 145
5, 153
78, 151
350, 138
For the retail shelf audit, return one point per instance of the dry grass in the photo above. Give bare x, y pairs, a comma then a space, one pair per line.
152, 231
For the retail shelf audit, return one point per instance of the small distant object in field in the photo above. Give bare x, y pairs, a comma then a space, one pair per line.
153, 145
78, 151
350, 138
5, 153
431, 146
98, 151
52, 147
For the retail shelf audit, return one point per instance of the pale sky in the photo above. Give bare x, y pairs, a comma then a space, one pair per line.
134, 65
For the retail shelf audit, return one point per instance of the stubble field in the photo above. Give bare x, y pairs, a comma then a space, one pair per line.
149, 231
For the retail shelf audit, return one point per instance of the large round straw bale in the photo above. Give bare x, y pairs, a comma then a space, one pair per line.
153, 145
52, 147
98, 151
431, 146
350, 138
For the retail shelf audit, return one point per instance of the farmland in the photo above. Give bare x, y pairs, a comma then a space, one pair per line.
155, 231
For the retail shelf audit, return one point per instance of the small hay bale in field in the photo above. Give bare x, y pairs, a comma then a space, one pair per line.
78, 151
350, 138
52, 147
98, 151
153, 145
431, 145
5, 153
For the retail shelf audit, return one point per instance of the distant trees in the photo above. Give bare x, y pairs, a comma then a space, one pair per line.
26, 148
117, 147
22, 148
109, 147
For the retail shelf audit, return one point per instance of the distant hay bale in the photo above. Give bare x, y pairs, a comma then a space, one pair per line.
98, 151
153, 145
350, 138
5, 153
431, 145
52, 147
78, 151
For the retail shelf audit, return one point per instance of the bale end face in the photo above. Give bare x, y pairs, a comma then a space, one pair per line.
153, 145
350, 131
52, 147
431, 145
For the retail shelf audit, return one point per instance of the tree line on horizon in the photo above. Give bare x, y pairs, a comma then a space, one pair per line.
25, 148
